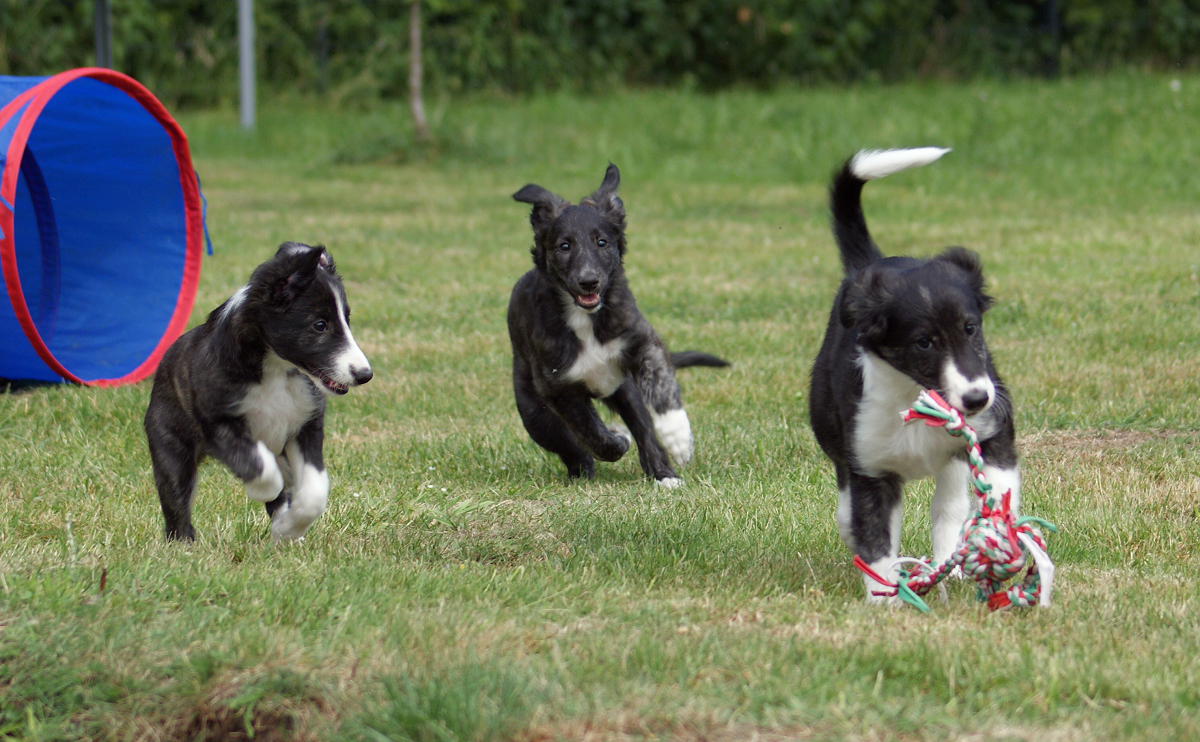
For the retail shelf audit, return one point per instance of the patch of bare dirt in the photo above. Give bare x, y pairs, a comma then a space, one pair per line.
220, 717
1059, 442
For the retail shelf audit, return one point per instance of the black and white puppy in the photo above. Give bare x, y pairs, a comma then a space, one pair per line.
577, 335
248, 388
900, 325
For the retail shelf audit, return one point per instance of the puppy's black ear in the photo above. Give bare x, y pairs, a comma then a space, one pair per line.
546, 206
299, 248
609, 205
326, 260
863, 304
970, 264
297, 273
605, 200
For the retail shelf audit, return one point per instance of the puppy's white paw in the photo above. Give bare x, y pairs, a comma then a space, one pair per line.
675, 434
286, 529
269, 483
888, 569
668, 483
892, 601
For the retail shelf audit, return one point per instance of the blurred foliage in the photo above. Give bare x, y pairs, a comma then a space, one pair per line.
356, 50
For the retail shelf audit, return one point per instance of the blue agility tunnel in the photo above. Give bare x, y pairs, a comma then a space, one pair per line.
101, 228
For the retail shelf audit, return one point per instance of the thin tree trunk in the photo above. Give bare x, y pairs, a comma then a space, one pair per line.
420, 125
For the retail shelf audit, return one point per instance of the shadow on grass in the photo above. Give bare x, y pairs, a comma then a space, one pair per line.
24, 386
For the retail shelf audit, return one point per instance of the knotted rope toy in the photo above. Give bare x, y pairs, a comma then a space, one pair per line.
995, 545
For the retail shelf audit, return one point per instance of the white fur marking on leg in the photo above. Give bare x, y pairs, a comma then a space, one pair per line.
843, 517
887, 568
896, 525
870, 164
668, 483
675, 434
950, 508
269, 483
1003, 480
309, 497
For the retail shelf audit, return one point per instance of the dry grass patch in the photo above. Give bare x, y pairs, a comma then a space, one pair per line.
233, 711
1097, 442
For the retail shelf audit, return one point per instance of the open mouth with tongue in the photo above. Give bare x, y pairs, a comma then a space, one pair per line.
587, 301
333, 387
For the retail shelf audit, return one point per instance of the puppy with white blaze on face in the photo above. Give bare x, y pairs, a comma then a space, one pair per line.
577, 335
248, 388
900, 325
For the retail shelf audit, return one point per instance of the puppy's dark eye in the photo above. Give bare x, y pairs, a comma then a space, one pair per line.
969, 328
565, 247
321, 325
924, 343
602, 242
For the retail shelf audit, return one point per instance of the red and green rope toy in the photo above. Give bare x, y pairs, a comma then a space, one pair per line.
995, 545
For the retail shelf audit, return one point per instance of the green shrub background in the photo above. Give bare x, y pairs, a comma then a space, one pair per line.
356, 50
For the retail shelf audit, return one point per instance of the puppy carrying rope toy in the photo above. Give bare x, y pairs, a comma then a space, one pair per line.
995, 546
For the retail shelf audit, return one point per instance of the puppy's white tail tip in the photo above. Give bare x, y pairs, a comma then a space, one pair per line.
870, 164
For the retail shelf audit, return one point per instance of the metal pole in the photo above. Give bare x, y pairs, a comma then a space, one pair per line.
420, 125
246, 62
103, 13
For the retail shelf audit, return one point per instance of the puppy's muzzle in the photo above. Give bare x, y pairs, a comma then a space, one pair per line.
361, 375
976, 401
587, 296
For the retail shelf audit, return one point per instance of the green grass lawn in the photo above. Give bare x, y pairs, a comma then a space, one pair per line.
458, 588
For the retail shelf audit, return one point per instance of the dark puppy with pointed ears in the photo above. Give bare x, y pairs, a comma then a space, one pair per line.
900, 325
248, 388
577, 335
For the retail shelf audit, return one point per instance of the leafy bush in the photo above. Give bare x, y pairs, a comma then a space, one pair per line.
350, 50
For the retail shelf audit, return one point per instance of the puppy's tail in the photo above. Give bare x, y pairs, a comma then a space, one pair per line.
845, 198
696, 358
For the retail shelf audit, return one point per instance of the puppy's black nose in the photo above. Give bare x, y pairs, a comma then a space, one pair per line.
362, 375
974, 401
589, 286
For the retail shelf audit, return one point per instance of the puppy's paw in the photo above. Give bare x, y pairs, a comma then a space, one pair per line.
675, 433
581, 470
888, 569
622, 432
668, 483
269, 483
614, 446
285, 529
892, 601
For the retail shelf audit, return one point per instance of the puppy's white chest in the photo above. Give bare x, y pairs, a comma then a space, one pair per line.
598, 365
277, 407
883, 442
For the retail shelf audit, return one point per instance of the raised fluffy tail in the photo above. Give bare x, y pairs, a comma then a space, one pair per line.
696, 358
845, 198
